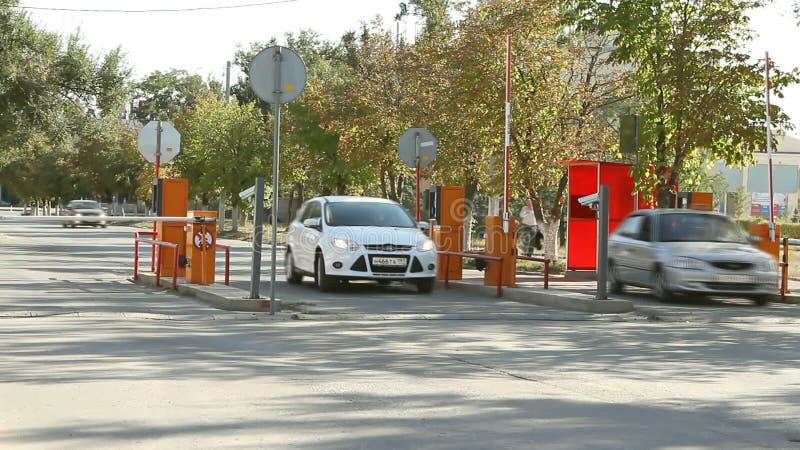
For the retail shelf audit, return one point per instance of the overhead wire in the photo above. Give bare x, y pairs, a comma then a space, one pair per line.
136, 11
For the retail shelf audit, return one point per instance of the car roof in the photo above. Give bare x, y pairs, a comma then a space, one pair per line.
662, 211
352, 199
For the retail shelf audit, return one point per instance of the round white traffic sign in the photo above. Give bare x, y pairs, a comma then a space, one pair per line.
417, 144
277, 73
148, 140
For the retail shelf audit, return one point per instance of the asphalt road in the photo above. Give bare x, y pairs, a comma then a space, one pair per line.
91, 360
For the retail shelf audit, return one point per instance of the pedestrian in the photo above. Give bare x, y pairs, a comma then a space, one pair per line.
530, 236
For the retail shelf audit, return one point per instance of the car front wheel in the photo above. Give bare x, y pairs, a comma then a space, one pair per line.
324, 282
292, 275
425, 285
660, 286
614, 284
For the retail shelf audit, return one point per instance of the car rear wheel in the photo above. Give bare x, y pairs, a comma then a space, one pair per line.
425, 285
324, 282
762, 300
292, 275
660, 286
614, 284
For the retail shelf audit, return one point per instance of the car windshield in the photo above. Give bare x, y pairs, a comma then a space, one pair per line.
370, 214
686, 227
84, 204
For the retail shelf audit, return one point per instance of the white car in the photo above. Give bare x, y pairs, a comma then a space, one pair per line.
340, 238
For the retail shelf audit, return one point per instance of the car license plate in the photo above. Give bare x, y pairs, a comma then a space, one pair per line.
730, 278
387, 261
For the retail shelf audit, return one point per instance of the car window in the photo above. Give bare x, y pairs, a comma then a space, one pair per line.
687, 227
630, 227
83, 204
645, 232
368, 214
312, 210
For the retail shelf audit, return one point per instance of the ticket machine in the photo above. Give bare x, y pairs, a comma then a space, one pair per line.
447, 208
171, 199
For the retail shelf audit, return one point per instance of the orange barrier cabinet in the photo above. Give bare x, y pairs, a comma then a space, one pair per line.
762, 230
447, 207
172, 200
201, 239
504, 245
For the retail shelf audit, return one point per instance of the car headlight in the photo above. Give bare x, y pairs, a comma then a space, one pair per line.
345, 244
767, 265
426, 245
687, 263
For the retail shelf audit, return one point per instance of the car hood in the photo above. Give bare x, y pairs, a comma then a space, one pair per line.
714, 251
379, 235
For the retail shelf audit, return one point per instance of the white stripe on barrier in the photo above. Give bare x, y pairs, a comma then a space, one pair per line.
35, 219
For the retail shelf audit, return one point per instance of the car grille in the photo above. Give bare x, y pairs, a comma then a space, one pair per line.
731, 287
387, 248
732, 265
416, 266
360, 265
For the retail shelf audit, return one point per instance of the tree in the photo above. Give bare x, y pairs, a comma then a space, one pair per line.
162, 95
52, 97
697, 89
224, 147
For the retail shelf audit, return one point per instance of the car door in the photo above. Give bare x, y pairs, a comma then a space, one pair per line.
307, 236
620, 247
642, 254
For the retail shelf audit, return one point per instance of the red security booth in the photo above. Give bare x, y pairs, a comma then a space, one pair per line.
585, 178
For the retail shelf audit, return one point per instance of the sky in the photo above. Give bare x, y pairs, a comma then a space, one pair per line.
202, 41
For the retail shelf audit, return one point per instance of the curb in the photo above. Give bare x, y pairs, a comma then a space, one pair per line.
545, 297
232, 299
219, 296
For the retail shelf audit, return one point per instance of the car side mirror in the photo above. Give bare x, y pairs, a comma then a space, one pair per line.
424, 226
753, 239
314, 222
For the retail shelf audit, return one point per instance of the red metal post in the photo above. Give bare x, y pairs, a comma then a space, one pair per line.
227, 266
158, 272
175, 268
419, 216
546, 273
500, 279
446, 269
136, 256
785, 270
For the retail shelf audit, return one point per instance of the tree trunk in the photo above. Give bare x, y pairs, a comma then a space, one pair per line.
470, 187
550, 232
235, 218
221, 212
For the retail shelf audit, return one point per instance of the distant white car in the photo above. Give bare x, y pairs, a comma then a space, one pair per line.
78, 210
339, 238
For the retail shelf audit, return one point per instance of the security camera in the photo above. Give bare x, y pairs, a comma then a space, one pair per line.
247, 193
591, 200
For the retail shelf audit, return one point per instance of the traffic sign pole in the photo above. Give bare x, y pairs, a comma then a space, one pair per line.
275, 172
277, 75
159, 129
416, 158
158, 175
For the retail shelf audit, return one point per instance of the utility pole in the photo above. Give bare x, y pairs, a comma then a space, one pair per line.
221, 212
769, 154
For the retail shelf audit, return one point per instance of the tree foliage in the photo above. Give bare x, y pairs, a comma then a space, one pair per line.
697, 89
58, 101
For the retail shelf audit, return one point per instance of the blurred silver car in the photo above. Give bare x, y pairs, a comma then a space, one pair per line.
685, 251
79, 210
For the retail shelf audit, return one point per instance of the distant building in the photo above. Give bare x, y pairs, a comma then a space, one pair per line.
755, 179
